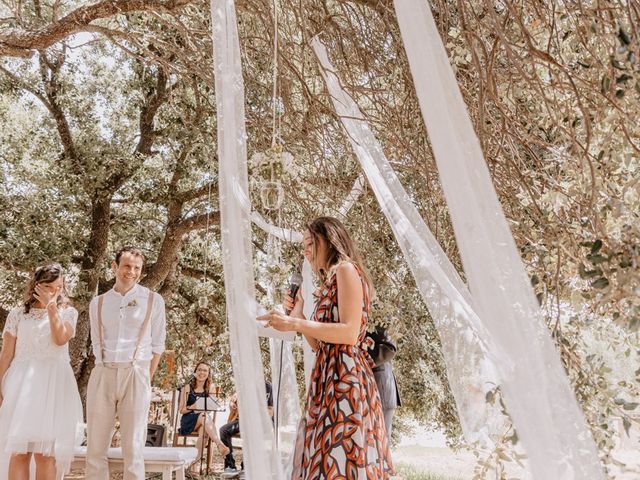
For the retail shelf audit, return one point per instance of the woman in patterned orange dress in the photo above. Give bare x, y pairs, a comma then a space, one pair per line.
342, 434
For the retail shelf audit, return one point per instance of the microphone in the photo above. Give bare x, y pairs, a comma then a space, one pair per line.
294, 285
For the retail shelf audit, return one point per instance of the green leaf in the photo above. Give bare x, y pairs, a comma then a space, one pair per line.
584, 273
596, 258
623, 37
602, 282
597, 245
625, 262
623, 78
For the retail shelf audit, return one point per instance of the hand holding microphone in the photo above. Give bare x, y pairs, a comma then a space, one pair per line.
286, 322
291, 300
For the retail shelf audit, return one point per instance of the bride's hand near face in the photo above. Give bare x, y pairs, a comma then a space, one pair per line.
46, 296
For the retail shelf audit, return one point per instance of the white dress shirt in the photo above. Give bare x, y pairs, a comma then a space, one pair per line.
122, 318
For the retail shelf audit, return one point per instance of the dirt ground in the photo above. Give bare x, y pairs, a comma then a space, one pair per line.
431, 459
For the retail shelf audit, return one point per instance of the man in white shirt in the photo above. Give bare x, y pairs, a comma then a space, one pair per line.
128, 330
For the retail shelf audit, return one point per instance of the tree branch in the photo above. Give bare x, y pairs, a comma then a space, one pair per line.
148, 113
21, 43
199, 274
154, 101
198, 192
198, 221
26, 87
51, 91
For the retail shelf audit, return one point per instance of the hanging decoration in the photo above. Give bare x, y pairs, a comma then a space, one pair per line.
267, 169
203, 297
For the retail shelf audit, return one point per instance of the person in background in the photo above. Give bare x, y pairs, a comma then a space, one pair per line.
232, 427
201, 385
382, 352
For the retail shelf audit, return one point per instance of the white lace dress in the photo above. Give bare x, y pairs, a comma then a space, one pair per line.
41, 410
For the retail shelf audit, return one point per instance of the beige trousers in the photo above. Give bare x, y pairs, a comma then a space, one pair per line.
124, 393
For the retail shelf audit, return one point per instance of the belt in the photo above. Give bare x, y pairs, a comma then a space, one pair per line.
118, 364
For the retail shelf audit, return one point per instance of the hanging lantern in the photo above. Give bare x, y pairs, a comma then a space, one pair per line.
271, 195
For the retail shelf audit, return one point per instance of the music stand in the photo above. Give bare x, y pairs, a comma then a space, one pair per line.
206, 404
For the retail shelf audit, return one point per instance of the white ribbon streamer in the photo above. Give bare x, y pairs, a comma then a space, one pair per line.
535, 388
262, 460
470, 369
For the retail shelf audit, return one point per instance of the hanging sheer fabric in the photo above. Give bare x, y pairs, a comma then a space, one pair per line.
286, 406
470, 369
282, 233
535, 388
352, 197
261, 460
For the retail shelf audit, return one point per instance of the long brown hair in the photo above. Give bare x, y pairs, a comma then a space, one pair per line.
207, 382
45, 274
340, 248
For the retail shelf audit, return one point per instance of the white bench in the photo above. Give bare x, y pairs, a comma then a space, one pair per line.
165, 460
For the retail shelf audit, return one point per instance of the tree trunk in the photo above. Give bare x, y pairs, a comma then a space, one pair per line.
82, 359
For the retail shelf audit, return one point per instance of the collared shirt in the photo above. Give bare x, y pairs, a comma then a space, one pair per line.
122, 318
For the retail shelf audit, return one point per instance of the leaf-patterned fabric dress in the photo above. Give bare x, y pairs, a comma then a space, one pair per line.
342, 434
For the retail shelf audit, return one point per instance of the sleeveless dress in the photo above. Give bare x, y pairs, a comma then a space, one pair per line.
342, 434
188, 420
41, 411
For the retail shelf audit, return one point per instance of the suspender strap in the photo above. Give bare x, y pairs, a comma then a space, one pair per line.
100, 328
145, 324
147, 317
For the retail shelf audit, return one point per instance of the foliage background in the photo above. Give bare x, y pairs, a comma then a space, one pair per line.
108, 137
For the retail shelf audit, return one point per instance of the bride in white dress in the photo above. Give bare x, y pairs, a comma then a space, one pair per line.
40, 406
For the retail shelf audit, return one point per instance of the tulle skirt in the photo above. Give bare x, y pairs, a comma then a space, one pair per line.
41, 412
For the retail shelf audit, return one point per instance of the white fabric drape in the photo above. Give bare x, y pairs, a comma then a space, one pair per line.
282, 233
261, 460
535, 387
352, 197
469, 368
286, 406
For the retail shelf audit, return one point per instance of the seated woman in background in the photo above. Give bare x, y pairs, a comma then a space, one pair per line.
201, 385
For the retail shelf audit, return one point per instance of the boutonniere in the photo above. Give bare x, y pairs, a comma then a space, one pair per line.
132, 303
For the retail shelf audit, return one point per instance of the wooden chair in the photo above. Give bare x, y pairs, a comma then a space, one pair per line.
175, 402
